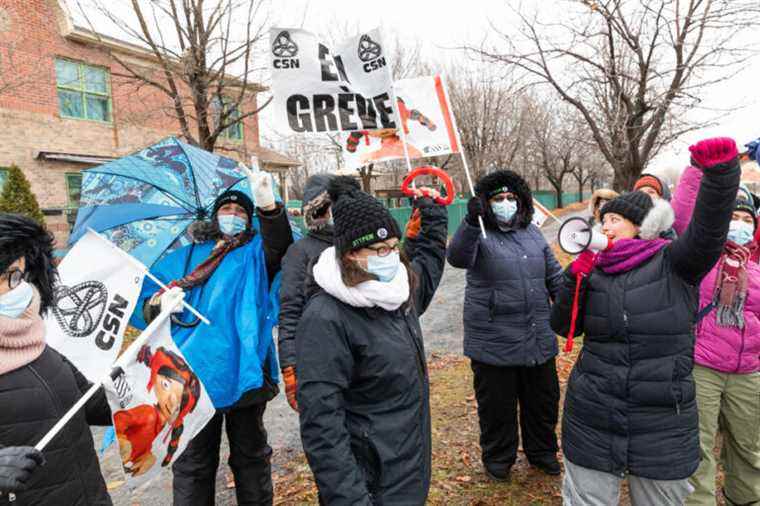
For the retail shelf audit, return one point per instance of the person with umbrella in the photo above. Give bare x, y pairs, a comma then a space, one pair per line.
226, 274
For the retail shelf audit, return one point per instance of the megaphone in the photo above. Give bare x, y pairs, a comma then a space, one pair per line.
576, 235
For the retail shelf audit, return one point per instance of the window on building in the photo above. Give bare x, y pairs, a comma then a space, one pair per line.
84, 91
234, 132
3, 177
73, 188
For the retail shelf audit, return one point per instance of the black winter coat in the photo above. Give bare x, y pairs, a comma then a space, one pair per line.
630, 403
511, 277
363, 388
295, 270
33, 399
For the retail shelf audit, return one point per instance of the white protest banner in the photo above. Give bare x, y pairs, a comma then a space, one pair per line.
425, 115
158, 405
97, 294
321, 89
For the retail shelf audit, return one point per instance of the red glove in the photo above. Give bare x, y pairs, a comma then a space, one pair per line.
291, 386
711, 152
583, 264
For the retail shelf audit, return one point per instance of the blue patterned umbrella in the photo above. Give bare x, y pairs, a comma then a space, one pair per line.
145, 202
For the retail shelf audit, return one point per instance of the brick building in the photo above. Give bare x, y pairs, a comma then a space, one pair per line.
64, 108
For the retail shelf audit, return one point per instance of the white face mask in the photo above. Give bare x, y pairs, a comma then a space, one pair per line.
504, 210
740, 232
385, 268
14, 303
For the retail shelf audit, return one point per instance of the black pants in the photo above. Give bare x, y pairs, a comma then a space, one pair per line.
498, 391
250, 456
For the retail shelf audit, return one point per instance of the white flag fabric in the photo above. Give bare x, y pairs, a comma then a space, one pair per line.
428, 123
540, 214
94, 300
158, 405
320, 89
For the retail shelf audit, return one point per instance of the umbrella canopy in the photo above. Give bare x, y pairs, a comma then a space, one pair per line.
145, 202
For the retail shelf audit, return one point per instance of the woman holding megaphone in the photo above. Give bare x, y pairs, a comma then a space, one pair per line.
511, 276
630, 407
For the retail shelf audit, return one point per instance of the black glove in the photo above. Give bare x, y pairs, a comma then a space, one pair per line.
17, 463
474, 210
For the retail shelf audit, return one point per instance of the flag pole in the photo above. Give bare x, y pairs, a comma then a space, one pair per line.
545, 210
60, 424
148, 274
461, 152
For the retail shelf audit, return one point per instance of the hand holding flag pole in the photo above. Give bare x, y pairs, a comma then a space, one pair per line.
139, 265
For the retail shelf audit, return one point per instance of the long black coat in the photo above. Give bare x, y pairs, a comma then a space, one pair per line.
511, 277
363, 388
630, 403
295, 270
33, 399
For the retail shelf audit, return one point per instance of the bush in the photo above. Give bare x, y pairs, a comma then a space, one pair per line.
17, 196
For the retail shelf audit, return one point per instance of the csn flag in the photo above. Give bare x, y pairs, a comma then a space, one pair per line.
425, 115
93, 302
158, 405
322, 89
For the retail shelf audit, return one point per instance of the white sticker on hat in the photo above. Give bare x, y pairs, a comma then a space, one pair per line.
382, 233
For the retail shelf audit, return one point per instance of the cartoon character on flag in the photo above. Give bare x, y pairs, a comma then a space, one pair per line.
391, 145
159, 404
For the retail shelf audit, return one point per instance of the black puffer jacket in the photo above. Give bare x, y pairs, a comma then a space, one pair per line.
512, 275
33, 399
295, 270
363, 388
630, 403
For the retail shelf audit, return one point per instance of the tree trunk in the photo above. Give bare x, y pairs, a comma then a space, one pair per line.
625, 177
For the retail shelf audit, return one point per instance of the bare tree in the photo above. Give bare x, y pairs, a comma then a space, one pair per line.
317, 154
633, 68
201, 59
489, 114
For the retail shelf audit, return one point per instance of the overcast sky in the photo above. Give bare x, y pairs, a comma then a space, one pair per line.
444, 26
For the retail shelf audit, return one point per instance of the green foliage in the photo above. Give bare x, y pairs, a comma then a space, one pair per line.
17, 196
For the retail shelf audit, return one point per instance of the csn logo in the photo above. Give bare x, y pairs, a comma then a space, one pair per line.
285, 52
370, 53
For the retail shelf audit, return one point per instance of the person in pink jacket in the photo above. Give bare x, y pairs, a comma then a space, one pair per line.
727, 354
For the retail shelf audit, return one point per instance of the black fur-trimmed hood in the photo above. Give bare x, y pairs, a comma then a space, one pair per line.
516, 185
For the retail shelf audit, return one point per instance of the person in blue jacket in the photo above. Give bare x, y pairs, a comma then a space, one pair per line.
226, 275
512, 276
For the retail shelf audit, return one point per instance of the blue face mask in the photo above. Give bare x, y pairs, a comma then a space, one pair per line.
740, 232
385, 268
230, 224
504, 210
15, 302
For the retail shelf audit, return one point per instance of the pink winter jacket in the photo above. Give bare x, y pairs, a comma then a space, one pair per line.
724, 349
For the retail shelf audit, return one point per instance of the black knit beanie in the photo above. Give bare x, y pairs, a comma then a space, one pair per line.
632, 206
360, 219
235, 197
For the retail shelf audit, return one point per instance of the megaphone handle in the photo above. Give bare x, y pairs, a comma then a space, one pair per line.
574, 313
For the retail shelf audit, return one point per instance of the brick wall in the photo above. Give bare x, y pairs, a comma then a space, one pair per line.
30, 41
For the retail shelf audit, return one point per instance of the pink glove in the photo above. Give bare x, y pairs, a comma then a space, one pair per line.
583, 264
711, 152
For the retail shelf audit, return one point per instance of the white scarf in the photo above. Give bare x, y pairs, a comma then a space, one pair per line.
389, 296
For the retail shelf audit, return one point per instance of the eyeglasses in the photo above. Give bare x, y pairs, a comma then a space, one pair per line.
15, 277
385, 250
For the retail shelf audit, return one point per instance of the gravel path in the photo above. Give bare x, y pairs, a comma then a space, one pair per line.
442, 327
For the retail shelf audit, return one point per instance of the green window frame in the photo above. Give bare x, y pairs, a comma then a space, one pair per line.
3, 177
232, 132
73, 189
84, 91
